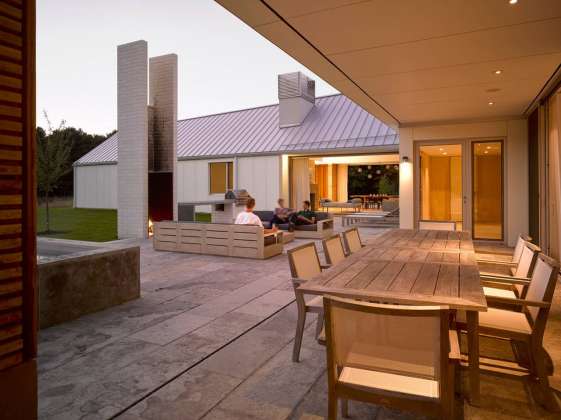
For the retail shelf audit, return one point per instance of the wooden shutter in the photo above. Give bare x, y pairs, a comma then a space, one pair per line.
18, 343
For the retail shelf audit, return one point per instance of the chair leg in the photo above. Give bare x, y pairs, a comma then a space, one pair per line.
345, 408
319, 324
298, 336
546, 395
332, 406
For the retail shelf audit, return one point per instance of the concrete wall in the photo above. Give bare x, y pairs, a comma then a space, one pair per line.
132, 123
95, 187
260, 176
514, 134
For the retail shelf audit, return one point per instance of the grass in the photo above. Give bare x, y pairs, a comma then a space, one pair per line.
84, 224
78, 224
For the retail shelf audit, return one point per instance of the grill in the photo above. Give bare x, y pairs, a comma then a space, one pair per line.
240, 196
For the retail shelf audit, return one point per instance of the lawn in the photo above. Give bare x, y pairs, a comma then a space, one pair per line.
84, 224
79, 224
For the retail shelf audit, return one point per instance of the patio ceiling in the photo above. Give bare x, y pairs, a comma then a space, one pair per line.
409, 64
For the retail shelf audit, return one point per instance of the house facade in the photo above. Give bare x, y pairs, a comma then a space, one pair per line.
299, 149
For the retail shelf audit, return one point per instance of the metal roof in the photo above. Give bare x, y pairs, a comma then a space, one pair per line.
333, 125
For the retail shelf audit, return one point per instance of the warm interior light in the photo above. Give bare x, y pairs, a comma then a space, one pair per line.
444, 153
441, 149
498, 71
491, 103
150, 227
488, 147
513, 1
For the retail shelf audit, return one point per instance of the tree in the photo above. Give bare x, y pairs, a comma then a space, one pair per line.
53, 156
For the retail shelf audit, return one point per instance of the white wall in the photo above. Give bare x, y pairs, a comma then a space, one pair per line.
95, 186
260, 176
514, 133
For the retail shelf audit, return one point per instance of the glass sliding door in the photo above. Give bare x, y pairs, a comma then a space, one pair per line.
441, 183
487, 190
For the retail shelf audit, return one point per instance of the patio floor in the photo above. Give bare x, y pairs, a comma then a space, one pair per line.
211, 338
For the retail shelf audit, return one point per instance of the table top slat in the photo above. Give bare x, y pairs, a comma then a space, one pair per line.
386, 276
448, 281
404, 281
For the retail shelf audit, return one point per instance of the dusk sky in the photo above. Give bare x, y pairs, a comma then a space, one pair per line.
224, 65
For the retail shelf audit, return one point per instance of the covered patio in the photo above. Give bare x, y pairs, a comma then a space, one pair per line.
211, 337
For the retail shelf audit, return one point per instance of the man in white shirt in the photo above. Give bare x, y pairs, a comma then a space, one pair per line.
247, 217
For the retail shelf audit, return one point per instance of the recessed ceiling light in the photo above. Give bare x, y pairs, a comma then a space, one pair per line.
441, 149
444, 153
485, 152
491, 103
498, 71
513, 1
488, 147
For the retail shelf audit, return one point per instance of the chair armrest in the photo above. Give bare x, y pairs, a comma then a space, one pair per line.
518, 302
495, 262
510, 280
320, 223
454, 352
297, 281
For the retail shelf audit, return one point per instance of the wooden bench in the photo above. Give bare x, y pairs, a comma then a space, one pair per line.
217, 239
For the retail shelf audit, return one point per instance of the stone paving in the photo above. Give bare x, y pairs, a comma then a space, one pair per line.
211, 337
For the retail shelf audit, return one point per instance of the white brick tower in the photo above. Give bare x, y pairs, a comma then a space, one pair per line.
132, 123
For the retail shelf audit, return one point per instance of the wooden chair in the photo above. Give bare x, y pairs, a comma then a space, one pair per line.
333, 249
513, 285
351, 237
372, 356
305, 265
514, 258
525, 328
448, 225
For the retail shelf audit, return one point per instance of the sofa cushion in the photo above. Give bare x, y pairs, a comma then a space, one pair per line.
264, 215
321, 215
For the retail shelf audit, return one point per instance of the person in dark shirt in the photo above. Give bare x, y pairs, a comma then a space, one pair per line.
281, 214
305, 216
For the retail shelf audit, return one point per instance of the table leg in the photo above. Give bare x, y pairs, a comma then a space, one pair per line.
473, 354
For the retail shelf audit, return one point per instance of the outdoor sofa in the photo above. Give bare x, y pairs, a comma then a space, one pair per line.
355, 204
323, 228
217, 239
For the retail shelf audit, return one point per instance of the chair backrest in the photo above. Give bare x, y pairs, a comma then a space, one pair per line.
379, 337
447, 225
304, 261
541, 287
352, 240
522, 239
333, 250
527, 260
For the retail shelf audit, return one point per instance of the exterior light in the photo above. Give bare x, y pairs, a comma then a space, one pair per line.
359, 169
369, 176
405, 159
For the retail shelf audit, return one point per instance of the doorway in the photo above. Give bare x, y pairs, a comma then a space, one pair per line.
461, 182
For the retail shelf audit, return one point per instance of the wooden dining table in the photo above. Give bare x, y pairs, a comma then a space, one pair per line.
414, 267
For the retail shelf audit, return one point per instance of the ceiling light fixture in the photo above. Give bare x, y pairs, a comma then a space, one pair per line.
444, 153
498, 71
513, 1
491, 103
488, 147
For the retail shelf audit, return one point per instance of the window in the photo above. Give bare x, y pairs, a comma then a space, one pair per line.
221, 177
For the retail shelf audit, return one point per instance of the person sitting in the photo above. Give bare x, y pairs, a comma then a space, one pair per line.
247, 217
305, 216
281, 213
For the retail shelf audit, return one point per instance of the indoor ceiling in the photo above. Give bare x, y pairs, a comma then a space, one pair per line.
443, 150
411, 62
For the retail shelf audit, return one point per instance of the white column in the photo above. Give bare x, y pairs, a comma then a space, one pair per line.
132, 123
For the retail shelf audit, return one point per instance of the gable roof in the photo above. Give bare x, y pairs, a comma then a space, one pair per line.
334, 124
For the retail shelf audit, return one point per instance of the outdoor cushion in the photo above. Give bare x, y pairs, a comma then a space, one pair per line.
312, 228
496, 292
502, 320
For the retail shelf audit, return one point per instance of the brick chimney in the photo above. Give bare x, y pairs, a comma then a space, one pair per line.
147, 155
297, 95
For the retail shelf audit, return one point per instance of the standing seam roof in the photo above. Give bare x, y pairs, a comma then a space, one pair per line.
334, 123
